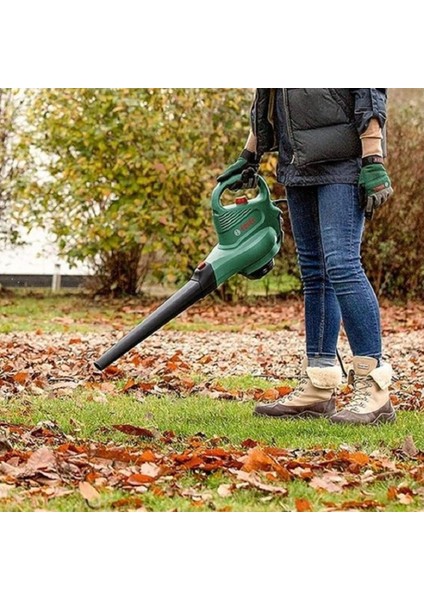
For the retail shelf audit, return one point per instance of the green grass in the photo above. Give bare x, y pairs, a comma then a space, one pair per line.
79, 414
24, 310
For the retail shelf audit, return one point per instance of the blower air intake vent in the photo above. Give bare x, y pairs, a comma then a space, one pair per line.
228, 221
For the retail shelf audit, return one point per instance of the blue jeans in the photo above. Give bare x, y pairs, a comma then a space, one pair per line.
328, 224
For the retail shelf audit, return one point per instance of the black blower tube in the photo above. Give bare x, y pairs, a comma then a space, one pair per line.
200, 285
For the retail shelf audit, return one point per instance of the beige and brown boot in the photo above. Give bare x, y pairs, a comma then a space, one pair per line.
371, 400
314, 396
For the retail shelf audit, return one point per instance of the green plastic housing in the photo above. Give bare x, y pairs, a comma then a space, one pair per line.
249, 234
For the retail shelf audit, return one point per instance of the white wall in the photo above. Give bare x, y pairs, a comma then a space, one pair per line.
37, 257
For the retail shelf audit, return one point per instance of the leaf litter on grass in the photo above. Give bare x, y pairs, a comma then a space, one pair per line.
47, 463
173, 362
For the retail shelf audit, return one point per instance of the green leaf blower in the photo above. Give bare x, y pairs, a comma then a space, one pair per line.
249, 237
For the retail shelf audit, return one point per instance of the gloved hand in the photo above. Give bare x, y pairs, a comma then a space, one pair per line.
247, 166
375, 187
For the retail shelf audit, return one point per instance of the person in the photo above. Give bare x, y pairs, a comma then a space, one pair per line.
331, 150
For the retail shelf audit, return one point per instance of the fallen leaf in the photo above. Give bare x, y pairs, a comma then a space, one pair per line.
303, 505
21, 377
408, 447
88, 492
134, 430
258, 460
354, 505
131, 383
225, 490
284, 390
405, 499
359, 458
204, 360
329, 482
150, 469
41, 459
270, 394
249, 443
254, 481
128, 502
139, 479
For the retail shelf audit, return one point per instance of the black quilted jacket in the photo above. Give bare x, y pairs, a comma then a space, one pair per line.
309, 126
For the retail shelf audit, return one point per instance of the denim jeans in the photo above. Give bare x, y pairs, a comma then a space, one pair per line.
328, 224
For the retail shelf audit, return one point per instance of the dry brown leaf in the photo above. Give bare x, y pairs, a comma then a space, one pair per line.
329, 482
150, 469
409, 448
254, 481
225, 490
40, 460
88, 492
135, 430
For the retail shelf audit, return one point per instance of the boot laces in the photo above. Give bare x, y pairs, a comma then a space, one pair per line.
303, 382
361, 393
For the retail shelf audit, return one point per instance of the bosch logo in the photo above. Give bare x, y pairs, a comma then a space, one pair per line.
237, 232
247, 224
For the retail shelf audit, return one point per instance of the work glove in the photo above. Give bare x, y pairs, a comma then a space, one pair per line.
247, 166
375, 187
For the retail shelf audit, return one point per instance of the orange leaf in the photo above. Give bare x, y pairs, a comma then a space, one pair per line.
359, 458
21, 377
147, 456
139, 479
271, 394
258, 460
131, 383
283, 391
171, 366
204, 360
392, 493
303, 505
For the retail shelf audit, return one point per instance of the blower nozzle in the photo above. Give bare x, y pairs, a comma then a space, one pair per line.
201, 284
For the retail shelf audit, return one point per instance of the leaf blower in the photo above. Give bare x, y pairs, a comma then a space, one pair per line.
249, 237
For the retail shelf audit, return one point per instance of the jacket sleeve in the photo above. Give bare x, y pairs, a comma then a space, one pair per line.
262, 120
370, 103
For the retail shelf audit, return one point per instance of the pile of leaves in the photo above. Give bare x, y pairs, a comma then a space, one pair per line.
44, 461
184, 363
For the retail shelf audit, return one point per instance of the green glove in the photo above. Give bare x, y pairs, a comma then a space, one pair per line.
247, 166
375, 187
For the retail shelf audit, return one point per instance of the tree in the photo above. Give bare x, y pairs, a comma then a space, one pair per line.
9, 109
122, 177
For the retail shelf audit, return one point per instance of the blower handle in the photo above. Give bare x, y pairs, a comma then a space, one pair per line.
217, 206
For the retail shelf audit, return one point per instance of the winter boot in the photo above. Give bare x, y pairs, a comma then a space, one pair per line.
370, 403
314, 396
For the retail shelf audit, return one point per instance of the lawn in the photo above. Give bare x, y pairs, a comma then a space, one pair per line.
171, 426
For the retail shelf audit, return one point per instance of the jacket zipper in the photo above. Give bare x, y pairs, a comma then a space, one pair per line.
289, 127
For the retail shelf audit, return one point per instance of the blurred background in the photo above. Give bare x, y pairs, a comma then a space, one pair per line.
111, 188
